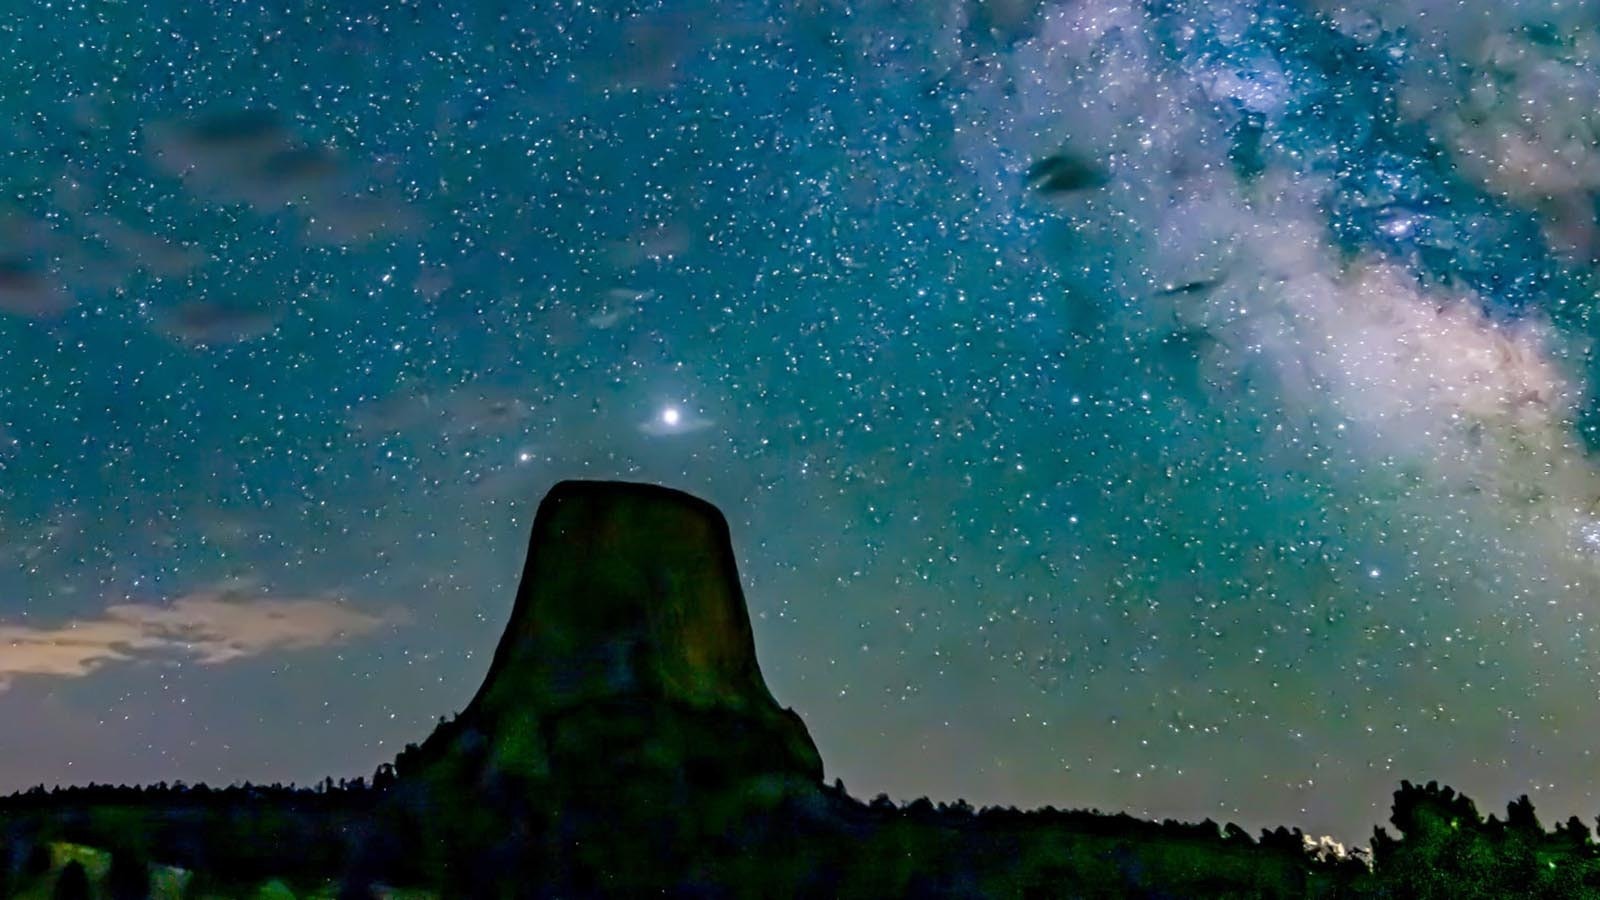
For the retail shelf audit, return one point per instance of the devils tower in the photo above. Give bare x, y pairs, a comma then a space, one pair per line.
628, 650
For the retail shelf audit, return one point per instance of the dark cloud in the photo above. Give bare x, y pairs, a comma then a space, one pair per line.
1064, 174
32, 292
253, 157
203, 324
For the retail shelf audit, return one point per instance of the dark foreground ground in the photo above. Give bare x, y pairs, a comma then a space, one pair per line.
361, 840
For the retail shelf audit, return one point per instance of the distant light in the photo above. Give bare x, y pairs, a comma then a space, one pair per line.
671, 416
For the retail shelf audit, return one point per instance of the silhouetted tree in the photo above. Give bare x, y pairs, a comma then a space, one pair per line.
1573, 834
37, 861
1282, 838
1521, 819
406, 760
958, 808
128, 877
72, 883
384, 778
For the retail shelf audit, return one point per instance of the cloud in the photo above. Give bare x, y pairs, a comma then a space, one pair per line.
619, 303
202, 324
136, 248
653, 243
253, 156
208, 627
31, 292
454, 411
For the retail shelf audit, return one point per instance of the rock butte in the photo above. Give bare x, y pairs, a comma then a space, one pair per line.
629, 648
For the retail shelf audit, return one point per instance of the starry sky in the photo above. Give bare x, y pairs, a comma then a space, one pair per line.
1184, 407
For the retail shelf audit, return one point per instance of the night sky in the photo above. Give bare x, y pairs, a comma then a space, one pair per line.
1181, 407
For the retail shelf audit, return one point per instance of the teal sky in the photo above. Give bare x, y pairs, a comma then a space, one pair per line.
1243, 475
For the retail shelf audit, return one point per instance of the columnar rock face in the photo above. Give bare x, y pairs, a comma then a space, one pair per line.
630, 642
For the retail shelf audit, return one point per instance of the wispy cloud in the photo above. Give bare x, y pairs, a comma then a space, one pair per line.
207, 627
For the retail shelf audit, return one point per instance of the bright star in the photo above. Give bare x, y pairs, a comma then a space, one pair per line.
674, 421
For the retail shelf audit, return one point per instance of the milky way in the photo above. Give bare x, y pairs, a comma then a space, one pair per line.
1183, 407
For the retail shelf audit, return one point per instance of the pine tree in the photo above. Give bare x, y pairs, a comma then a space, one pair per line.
129, 877
73, 883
